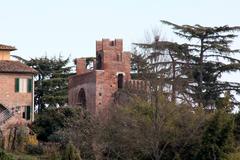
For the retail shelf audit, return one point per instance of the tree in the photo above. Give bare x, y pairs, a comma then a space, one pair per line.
217, 140
67, 124
71, 153
210, 56
168, 62
131, 131
4, 156
51, 81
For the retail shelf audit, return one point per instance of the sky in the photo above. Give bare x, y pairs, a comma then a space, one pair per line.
71, 27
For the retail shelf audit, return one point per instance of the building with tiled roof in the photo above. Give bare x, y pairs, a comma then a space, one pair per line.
16, 90
9, 66
6, 47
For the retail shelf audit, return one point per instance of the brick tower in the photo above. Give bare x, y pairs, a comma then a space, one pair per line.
94, 88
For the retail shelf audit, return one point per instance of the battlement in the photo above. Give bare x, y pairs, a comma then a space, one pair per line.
137, 85
84, 65
106, 44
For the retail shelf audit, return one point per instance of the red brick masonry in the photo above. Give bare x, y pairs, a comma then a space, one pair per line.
112, 66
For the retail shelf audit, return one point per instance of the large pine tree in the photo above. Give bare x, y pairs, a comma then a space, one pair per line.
211, 56
163, 64
51, 81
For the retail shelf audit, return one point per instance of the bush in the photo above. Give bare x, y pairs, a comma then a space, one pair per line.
233, 156
4, 156
71, 153
64, 125
34, 149
217, 139
50, 121
18, 138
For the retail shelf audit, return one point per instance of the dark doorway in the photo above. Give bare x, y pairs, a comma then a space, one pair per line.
82, 98
120, 81
99, 61
2, 108
28, 112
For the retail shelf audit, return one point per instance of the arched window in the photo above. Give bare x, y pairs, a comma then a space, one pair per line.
82, 98
99, 61
120, 81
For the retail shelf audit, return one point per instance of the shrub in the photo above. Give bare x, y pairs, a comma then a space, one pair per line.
62, 125
71, 153
34, 149
50, 121
4, 156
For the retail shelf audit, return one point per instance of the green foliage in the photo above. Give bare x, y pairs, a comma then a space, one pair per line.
4, 156
51, 81
191, 72
217, 140
233, 156
71, 153
237, 128
64, 125
211, 55
34, 149
18, 138
51, 120
136, 132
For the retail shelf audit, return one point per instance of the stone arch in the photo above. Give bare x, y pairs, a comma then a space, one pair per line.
82, 101
120, 79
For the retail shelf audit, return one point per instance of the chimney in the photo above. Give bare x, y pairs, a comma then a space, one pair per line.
5, 51
80, 65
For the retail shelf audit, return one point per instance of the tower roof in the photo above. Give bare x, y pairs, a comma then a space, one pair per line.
7, 47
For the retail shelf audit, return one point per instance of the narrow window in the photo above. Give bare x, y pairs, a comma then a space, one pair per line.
16, 84
82, 98
119, 57
99, 61
23, 115
120, 81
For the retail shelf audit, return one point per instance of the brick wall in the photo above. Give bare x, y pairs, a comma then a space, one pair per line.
86, 81
11, 99
8, 96
101, 84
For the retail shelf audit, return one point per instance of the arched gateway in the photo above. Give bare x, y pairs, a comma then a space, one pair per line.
82, 98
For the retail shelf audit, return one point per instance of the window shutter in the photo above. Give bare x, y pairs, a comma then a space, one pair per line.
16, 84
30, 86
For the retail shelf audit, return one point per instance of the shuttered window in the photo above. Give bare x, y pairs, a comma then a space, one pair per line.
23, 85
27, 114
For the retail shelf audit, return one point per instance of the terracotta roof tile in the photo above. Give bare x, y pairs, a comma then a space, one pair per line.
8, 66
6, 47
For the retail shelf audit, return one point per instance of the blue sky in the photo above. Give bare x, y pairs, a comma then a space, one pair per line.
71, 27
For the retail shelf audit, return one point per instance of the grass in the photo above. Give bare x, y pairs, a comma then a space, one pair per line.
234, 156
22, 156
